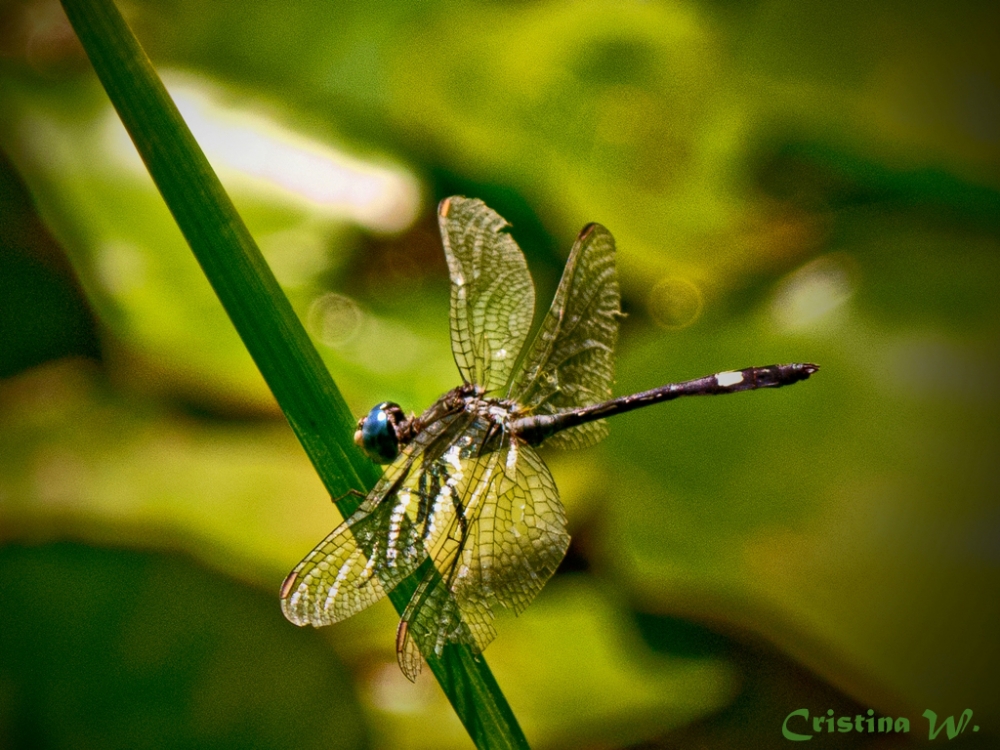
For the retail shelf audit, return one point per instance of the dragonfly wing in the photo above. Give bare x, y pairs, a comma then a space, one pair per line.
497, 540
432, 620
333, 581
492, 295
374, 549
519, 539
570, 363
464, 477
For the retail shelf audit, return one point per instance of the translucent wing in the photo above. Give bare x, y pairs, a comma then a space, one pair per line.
379, 545
492, 296
571, 361
519, 538
497, 545
482, 506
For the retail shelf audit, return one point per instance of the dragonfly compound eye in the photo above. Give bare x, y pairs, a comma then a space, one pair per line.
377, 432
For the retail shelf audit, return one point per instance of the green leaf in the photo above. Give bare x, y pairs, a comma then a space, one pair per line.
263, 317
188, 672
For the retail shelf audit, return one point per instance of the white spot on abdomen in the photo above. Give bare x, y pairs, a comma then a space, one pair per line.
726, 379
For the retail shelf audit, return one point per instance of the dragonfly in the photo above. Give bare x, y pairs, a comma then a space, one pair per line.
465, 502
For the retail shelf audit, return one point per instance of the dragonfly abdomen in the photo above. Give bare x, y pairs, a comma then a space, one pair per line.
539, 427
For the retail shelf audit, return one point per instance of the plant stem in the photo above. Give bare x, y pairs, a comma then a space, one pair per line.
264, 319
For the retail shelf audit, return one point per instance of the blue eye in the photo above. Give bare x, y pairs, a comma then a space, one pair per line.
376, 433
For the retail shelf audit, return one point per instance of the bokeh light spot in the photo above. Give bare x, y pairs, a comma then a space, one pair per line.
675, 303
811, 295
390, 691
335, 319
264, 158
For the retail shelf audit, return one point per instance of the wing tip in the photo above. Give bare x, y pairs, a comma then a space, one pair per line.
452, 201
459, 208
590, 229
408, 656
288, 583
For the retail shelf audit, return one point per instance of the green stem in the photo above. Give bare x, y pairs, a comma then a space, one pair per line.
264, 319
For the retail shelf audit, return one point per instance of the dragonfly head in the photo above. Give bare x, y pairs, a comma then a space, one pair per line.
376, 434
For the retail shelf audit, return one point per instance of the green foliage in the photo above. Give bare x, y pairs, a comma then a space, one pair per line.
192, 660
786, 181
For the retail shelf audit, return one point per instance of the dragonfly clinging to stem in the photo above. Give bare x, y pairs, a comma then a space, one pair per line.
464, 486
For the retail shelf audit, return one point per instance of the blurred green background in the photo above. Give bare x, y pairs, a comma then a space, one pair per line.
786, 182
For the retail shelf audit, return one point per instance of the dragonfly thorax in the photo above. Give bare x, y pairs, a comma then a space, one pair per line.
386, 430
494, 417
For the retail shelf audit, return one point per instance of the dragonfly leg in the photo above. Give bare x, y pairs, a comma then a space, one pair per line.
351, 492
463, 525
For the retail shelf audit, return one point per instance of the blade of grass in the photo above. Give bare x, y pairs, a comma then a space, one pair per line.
264, 319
